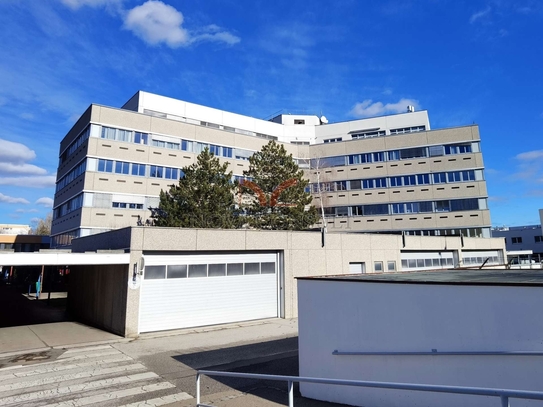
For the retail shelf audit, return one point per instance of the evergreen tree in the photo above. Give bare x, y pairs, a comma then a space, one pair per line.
204, 197
277, 191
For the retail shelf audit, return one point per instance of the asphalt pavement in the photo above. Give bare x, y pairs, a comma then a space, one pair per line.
45, 358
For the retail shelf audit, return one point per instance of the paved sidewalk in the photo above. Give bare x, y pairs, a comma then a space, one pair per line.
37, 338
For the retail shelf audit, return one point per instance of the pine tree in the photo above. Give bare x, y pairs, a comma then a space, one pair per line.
277, 191
204, 197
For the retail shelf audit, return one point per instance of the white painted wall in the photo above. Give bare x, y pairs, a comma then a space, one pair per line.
356, 316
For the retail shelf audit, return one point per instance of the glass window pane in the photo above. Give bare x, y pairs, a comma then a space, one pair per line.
197, 270
154, 272
252, 268
391, 266
267, 268
177, 271
378, 266
217, 270
235, 269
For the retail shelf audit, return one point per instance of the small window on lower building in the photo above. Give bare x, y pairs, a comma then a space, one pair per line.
538, 239
216, 270
177, 271
154, 272
378, 266
391, 266
252, 268
516, 240
197, 270
267, 268
234, 269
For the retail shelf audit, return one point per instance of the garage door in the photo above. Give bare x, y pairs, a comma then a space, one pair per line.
196, 290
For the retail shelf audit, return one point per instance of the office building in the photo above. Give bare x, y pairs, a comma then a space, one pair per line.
390, 174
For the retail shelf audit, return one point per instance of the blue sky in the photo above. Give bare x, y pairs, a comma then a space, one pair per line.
464, 61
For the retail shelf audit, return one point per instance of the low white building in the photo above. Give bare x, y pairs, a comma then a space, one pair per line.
454, 328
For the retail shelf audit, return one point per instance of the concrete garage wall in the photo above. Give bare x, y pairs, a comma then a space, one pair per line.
360, 316
302, 252
97, 296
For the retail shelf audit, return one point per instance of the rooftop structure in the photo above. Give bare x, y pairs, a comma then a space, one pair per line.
389, 174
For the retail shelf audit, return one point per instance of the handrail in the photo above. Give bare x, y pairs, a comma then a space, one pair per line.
434, 352
503, 394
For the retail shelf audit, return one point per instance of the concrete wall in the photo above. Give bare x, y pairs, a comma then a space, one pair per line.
381, 317
97, 295
303, 253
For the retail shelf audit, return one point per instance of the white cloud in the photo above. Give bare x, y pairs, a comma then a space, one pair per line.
33, 210
478, 15
368, 108
12, 200
21, 168
530, 155
15, 153
155, 23
44, 181
76, 4
45, 201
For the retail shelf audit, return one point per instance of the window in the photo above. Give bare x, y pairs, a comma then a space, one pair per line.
394, 155
154, 272
378, 266
122, 167
215, 150
157, 172
227, 152
138, 170
252, 268
342, 211
333, 140
197, 270
423, 179
177, 271
234, 269
516, 240
105, 165
379, 209
409, 180
108, 133
368, 134
141, 138
217, 270
538, 239
468, 175
440, 177
391, 265
267, 268
171, 173
458, 149
408, 130
186, 145
355, 184
464, 204
454, 176
443, 206
417, 152
299, 121
395, 181
435, 151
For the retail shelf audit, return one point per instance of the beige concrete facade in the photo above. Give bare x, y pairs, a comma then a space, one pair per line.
89, 200
104, 298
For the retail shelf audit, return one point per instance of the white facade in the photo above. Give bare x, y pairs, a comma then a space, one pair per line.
388, 316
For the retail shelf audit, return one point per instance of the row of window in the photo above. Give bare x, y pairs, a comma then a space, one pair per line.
399, 181
68, 206
425, 263
207, 270
140, 170
70, 176
127, 205
452, 205
74, 145
395, 155
518, 240
480, 260
173, 143
382, 133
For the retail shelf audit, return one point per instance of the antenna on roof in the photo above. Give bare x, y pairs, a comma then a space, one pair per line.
410, 109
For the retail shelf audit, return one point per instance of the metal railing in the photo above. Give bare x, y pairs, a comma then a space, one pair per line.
434, 352
503, 394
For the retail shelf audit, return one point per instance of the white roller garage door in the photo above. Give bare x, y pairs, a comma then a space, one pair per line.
206, 289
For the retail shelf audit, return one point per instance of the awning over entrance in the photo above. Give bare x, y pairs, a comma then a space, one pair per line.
66, 259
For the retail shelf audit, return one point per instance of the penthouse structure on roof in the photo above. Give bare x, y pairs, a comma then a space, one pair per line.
389, 174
